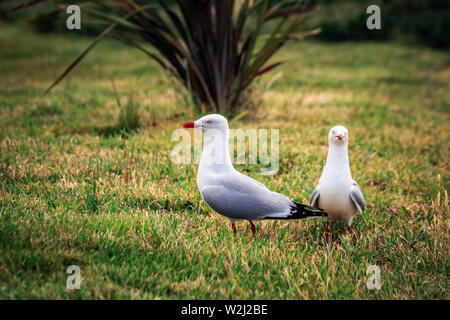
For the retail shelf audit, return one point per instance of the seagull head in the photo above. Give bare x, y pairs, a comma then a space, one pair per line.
210, 121
338, 135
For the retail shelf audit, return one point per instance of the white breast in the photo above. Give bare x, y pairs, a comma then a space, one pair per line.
335, 198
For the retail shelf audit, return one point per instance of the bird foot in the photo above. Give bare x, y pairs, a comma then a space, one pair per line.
234, 228
350, 231
252, 227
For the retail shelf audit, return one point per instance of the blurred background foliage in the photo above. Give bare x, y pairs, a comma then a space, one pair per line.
215, 48
423, 22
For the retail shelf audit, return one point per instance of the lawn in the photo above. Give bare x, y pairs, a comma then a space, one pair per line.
75, 190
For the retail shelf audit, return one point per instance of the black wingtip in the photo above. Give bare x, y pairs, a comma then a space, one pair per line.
302, 211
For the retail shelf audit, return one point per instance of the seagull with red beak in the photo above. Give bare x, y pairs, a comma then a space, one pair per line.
231, 193
337, 193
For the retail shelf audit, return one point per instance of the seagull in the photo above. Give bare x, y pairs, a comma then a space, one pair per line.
231, 193
337, 193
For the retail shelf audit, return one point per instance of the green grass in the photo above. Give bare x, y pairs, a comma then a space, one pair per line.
74, 190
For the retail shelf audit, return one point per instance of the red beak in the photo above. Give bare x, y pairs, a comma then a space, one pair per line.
189, 124
340, 137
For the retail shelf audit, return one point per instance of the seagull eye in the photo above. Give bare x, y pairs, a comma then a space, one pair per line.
209, 121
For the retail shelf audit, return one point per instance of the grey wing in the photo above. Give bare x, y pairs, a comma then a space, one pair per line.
245, 184
313, 202
240, 197
250, 180
357, 197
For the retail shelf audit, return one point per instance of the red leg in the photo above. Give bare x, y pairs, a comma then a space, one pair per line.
234, 228
349, 230
252, 226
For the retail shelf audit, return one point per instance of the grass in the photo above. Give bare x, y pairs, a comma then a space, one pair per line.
113, 203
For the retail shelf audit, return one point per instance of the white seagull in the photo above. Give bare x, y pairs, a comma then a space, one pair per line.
337, 193
231, 193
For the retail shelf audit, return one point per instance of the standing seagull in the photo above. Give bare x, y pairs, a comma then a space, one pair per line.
231, 193
337, 193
